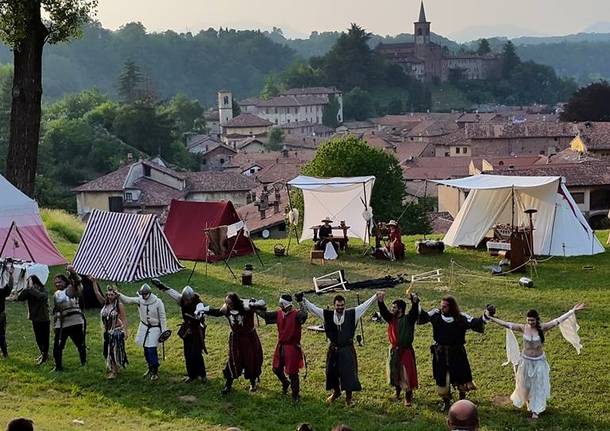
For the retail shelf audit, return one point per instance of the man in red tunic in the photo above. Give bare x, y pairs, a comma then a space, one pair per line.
402, 371
245, 350
288, 356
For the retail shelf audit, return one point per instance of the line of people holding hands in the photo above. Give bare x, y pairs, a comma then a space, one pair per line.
451, 368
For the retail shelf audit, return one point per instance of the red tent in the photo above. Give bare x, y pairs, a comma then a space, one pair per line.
187, 221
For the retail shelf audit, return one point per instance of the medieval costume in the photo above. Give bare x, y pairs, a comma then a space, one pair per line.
450, 364
341, 360
245, 350
114, 324
37, 298
5, 291
288, 357
325, 236
192, 329
394, 249
70, 321
401, 368
152, 324
532, 371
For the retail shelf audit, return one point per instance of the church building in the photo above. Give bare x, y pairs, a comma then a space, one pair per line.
429, 61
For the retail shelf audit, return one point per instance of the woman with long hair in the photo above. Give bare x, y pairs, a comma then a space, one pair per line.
37, 298
532, 379
114, 322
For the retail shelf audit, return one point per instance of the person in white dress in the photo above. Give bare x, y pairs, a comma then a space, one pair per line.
532, 372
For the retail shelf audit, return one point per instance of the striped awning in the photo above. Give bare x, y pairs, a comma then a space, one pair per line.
124, 247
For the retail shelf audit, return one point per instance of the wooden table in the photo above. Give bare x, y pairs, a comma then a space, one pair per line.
342, 241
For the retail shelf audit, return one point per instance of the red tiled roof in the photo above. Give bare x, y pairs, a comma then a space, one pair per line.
154, 194
111, 182
591, 173
595, 135
247, 120
311, 90
212, 181
436, 168
250, 214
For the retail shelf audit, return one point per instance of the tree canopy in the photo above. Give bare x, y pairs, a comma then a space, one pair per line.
590, 103
348, 156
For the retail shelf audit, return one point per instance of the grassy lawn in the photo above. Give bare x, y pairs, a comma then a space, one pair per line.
580, 384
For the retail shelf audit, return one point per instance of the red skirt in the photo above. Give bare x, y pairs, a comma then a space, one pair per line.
289, 357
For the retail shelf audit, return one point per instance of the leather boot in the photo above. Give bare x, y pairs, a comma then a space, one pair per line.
336, 394
295, 386
228, 386
408, 398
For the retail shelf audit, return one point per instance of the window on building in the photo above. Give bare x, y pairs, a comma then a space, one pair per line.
465, 150
115, 204
579, 197
226, 100
204, 161
128, 197
457, 150
447, 154
146, 171
222, 161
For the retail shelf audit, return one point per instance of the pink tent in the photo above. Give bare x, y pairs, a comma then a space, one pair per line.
22, 234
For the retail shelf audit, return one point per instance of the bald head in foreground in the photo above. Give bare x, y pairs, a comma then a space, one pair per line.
463, 416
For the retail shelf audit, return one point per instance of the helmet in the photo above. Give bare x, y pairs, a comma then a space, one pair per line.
188, 292
144, 290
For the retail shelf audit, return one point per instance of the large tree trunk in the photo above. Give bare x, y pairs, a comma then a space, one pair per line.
22, 157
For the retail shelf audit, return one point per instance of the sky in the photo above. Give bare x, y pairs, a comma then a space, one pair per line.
459, 19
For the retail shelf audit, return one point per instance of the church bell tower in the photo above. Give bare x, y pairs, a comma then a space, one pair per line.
421, 31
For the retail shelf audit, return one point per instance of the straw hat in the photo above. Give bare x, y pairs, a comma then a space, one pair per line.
327, 220
392, 223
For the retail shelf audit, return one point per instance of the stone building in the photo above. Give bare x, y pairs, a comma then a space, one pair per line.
429, 61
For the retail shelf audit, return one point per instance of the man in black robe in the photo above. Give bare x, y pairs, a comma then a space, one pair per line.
192, 329
450, 364
325, 235
341, 361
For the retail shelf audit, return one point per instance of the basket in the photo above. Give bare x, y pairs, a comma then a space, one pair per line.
279, 250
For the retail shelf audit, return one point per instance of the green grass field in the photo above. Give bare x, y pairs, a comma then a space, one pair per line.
81, 398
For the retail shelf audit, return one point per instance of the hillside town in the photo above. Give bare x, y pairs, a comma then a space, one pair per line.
372, 227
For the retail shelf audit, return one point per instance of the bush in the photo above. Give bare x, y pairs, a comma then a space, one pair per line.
65, 225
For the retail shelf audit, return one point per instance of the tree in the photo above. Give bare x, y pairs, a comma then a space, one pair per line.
589, 103
395, 107
351, 62
130, 82
330, 112
484, 47
25, 26
142, 126
510, 59
276, 138
300, 75
358, 104
270, 89
6, 78
236, 108
187, 114
348, 156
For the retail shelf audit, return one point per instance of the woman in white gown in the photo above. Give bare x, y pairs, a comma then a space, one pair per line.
532, 380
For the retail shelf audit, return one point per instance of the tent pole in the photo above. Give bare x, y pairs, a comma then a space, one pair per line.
512, 208
14, 224
296, 235
206, 243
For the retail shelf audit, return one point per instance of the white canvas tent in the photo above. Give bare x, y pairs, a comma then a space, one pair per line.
338, 198
124, 248
560, 229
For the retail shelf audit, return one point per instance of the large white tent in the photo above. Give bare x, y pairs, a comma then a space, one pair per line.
560, 229
340, 198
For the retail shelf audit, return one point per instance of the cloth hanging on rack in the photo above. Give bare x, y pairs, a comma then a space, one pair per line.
217, 240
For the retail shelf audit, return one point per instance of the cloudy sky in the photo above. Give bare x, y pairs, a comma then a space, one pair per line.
461, 19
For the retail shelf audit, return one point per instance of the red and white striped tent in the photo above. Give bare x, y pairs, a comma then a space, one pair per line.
22, 234
124, 247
